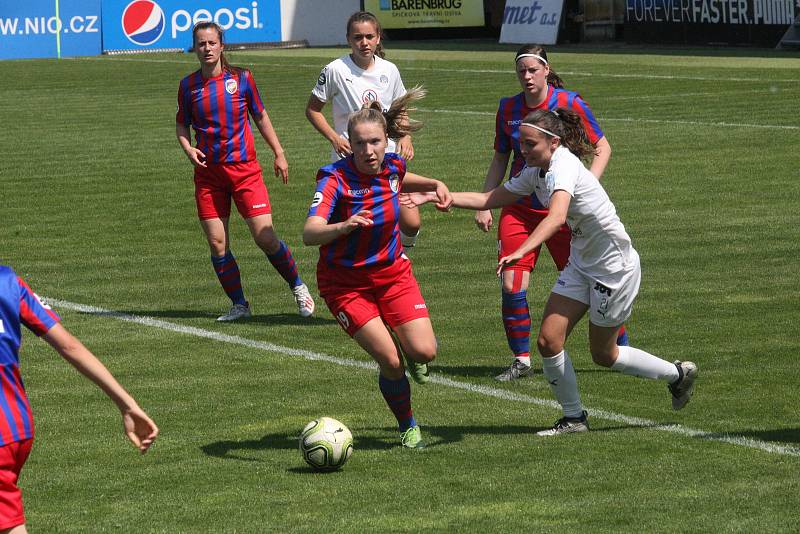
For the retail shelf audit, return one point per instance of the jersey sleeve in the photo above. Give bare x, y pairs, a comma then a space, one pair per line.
184, 114
33, 313
590, 124
399, 89
564, 174
502, 142
326, 195
250, 92
323, 90
522, 184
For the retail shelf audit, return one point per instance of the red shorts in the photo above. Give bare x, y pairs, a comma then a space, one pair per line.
355, 296
216, 184
516, 224
12, 458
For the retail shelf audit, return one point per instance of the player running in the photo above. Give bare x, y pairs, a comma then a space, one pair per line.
215, 102
356, 79
603, 273
20, 306
542, 88
363, 274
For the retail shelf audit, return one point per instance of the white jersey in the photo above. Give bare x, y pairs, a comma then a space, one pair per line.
600, 245
348, 87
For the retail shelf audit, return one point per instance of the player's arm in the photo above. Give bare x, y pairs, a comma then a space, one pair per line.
496, 198
602, 155
494, 177
139, 428
547, 228
264, 125
320, 123
195, 155
318, 231
415, 183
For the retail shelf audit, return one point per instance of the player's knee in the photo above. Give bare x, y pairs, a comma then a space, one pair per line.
508, 285
549, 345
217, 246
268, 242
602, 357
391, 366
422, 352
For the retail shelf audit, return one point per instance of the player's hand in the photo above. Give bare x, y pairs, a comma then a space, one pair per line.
359, 220
196, 156
505, 261
443, 197
281, 167
341, 146
413, 200
483, 219
405, 148
139, 428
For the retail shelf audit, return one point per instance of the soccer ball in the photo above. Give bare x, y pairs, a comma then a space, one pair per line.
326, 444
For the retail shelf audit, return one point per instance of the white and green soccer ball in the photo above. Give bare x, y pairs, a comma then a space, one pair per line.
326, 444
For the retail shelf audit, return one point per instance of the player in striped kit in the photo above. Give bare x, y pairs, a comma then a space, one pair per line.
20, 306
542, 88
356, 79
363, 274
217, 101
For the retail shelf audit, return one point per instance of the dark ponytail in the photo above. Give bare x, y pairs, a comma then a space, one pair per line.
567, 125
395, 121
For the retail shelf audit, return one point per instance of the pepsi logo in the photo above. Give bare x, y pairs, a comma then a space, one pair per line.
143, 22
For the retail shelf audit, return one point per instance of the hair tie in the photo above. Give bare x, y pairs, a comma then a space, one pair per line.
548, 132
537, 56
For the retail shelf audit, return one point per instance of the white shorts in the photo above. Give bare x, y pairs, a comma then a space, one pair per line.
609, 297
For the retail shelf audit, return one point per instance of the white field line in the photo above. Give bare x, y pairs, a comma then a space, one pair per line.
437, 379
508, 71
631, 119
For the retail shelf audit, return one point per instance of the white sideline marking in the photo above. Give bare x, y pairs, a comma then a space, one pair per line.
474, 388
631, 119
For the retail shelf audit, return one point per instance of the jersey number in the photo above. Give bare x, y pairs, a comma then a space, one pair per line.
343, 319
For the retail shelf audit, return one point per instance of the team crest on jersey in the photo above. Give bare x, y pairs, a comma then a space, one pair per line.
317, 199
369, 96
231, 86
394, 182
322, 78
384, 79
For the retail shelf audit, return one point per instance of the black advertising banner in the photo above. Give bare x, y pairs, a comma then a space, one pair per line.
727, 22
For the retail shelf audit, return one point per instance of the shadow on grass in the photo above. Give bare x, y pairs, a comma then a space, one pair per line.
483, 371
265, 319
783, 435
433, 435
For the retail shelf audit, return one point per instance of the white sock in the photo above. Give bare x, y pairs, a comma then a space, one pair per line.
560, 375
524, 359
636, 362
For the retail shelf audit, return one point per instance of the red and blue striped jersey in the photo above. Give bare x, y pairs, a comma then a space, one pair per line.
343, 191
18, 306
513, 109
217, 108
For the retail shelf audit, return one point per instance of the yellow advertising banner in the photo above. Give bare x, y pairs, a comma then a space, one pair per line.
426, 13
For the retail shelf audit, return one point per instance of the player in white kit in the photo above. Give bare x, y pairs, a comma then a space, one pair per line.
603, 273
356, 79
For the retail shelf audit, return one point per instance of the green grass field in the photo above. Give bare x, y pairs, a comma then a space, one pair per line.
98, 211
